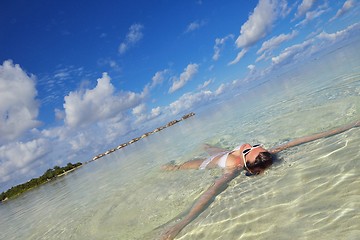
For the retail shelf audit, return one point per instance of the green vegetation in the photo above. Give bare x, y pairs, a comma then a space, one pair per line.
47, 176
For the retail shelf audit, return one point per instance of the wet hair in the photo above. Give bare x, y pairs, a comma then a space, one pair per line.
262, 161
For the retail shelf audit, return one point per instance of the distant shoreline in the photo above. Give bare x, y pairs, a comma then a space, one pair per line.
48, 176
169, 124
56, 172
71, 170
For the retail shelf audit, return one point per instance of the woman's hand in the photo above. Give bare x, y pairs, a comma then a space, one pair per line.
172, 232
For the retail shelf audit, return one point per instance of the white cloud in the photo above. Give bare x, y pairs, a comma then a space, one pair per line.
188, 73
158, 78
67, 73
108, 62
262, 57
251, 67
18, 106
92, 105
268, 46
140, 109
155, 112
189, 100
141, 114
340, 35
219, 43
133, 36
311, 15
313, 45
304, 7
260, 22
206, 83
79, 144
62, 75
80, 141
240, 55
113, 129
274, 42
292, 52
18, 156
283, 8
348, 4
220, 90
195, 25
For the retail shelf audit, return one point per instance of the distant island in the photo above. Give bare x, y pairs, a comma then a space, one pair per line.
57, 171
49, 175
169, 124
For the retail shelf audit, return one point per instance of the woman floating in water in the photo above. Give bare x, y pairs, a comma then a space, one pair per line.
254, 159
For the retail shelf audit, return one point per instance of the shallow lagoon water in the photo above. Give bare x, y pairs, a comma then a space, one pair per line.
311, 192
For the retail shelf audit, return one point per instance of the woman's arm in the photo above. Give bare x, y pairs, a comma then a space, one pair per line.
310, 138
201, 203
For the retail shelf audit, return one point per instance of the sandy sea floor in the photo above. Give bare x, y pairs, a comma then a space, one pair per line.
311, 192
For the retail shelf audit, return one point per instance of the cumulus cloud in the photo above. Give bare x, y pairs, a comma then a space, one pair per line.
189, 73
132, 37
155, 111
92, 105
219, 43
195, 25
18, 106
348, 4
16, 157
259, 24
140, 109
141, 114
305, 6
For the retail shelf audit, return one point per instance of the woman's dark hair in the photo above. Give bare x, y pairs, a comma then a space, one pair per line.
262, 161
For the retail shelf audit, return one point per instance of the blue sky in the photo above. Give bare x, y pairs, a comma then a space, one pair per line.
78, 77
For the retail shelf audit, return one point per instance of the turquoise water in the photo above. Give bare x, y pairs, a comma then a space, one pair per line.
311, 192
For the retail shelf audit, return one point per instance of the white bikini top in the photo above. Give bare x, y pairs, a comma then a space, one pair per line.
222, 160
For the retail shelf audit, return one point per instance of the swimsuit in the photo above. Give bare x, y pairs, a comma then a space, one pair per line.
222, 160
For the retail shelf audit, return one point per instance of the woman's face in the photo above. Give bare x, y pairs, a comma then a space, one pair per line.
254, 152
249, 154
